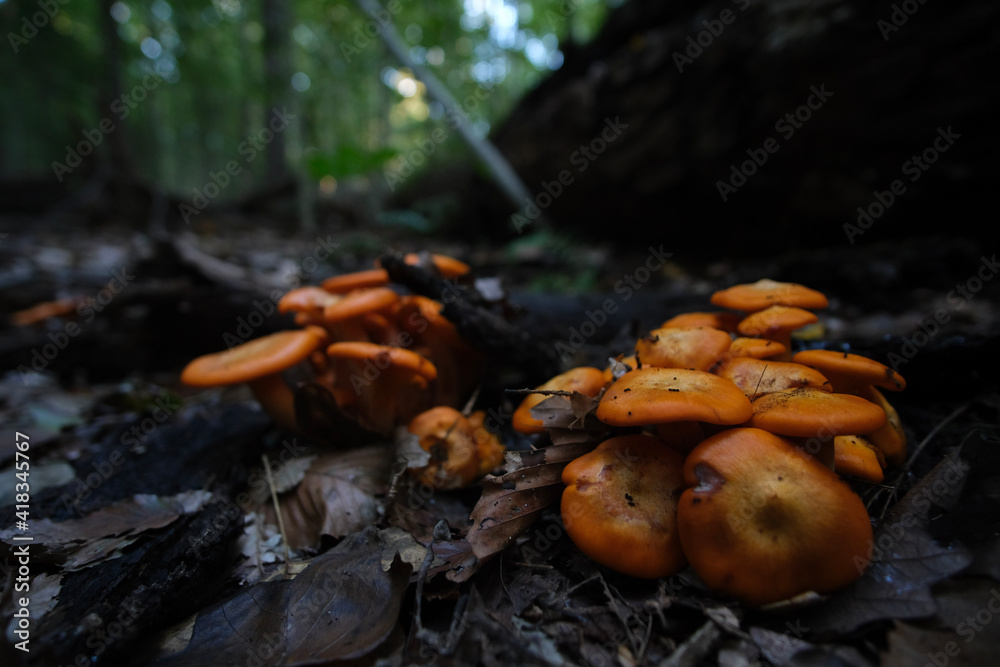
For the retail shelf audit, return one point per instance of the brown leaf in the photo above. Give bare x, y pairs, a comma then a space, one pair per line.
905, 561
513, 501
335, 497
343, 605
78, 542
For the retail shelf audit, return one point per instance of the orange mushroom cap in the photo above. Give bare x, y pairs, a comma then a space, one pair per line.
891, 438
306, 300
349, 282
448, 267
259, 362
656, 395
359, 302
808, 412
491, 450
849, 373
256, 358
857, 457
620, 505
765, 293
764, 521
775, 322
757, 377
447, 435
717, 320
584, 379
758, 348
698, 348
388, 356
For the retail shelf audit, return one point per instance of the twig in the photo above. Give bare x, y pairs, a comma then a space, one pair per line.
506, 178
277, 511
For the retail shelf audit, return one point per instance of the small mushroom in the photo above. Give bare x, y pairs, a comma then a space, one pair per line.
762, 521
857, 457
757, 377
450, 438
765, 293
259, 363
348, 282
721, 320
776, 323
388, 384
584, 379
620, 505
674, 400
698, 349
816, 416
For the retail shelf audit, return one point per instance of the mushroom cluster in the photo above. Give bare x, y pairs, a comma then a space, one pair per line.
734, 450
383, 357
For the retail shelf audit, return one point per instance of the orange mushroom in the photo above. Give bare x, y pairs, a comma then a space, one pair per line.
855, 374
349, 282
656, 395
765, 293
857, 457
675, 400
717, 320
757, 377
584, 379
776, 323
491, 450
450, 438
448, 267
698, 349
819, 416
763, 521
388, 384
620, 505
758, 348
850, 373
259, 363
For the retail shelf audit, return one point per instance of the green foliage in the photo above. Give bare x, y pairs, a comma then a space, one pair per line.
347, 160
200, 69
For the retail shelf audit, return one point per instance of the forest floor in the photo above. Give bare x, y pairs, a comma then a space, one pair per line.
153, 545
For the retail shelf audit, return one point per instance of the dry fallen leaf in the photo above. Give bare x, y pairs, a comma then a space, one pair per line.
101, 534
905, 561
336, 496
513, 501
342, 606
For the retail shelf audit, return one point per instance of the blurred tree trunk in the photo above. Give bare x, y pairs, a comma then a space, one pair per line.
122, 165
688, 116
277, 72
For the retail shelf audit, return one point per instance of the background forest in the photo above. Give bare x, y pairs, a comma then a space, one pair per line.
171, 91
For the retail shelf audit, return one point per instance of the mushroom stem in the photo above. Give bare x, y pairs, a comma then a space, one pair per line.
277, 399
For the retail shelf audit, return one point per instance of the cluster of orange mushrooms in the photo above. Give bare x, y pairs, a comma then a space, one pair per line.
386, 359
732, 450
